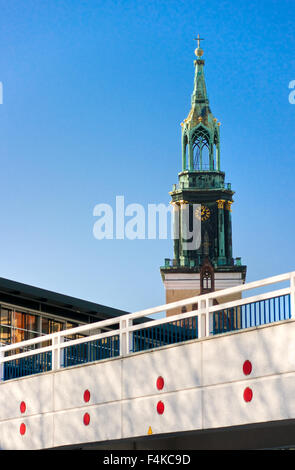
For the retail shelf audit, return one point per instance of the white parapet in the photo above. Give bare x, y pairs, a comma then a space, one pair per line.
232, 379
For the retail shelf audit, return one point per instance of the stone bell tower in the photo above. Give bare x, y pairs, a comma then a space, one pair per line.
203, 200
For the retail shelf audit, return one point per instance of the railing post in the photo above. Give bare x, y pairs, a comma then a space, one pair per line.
292, 294
61, 352
129, 338
57, 352
122, 337
209, 317
125, 336
1, 366
202, 319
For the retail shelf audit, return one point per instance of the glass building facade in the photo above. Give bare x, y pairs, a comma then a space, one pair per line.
27, 312
19, 325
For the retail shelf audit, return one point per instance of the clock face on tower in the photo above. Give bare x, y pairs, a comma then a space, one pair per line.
203, 213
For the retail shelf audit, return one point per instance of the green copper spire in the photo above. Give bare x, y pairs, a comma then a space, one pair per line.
199, 95
200, 130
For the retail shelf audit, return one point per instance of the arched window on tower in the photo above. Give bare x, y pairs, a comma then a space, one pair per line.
207, 280
201, 149
206, 277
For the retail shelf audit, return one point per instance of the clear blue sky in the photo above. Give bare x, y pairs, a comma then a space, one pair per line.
94, 92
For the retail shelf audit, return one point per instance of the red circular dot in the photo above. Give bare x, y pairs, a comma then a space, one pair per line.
160, 407
86, 395
22, 429
22, 407
248, 394
247, 367
160, 383
86, 419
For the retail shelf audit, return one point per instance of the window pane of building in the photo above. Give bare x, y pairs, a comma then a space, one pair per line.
17, 335
19, 320
5, 335
51, 326
5, 316
45, 326
32, 323
56, 326
25, 326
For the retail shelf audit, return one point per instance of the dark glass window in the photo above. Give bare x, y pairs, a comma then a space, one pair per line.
5, 325
25, 326
51, 326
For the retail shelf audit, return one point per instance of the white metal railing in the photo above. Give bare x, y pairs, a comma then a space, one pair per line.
124, 328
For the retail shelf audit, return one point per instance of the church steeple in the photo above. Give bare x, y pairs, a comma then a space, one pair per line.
201, 195
200, 130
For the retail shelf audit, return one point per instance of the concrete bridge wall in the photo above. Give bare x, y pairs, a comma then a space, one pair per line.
234, 379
